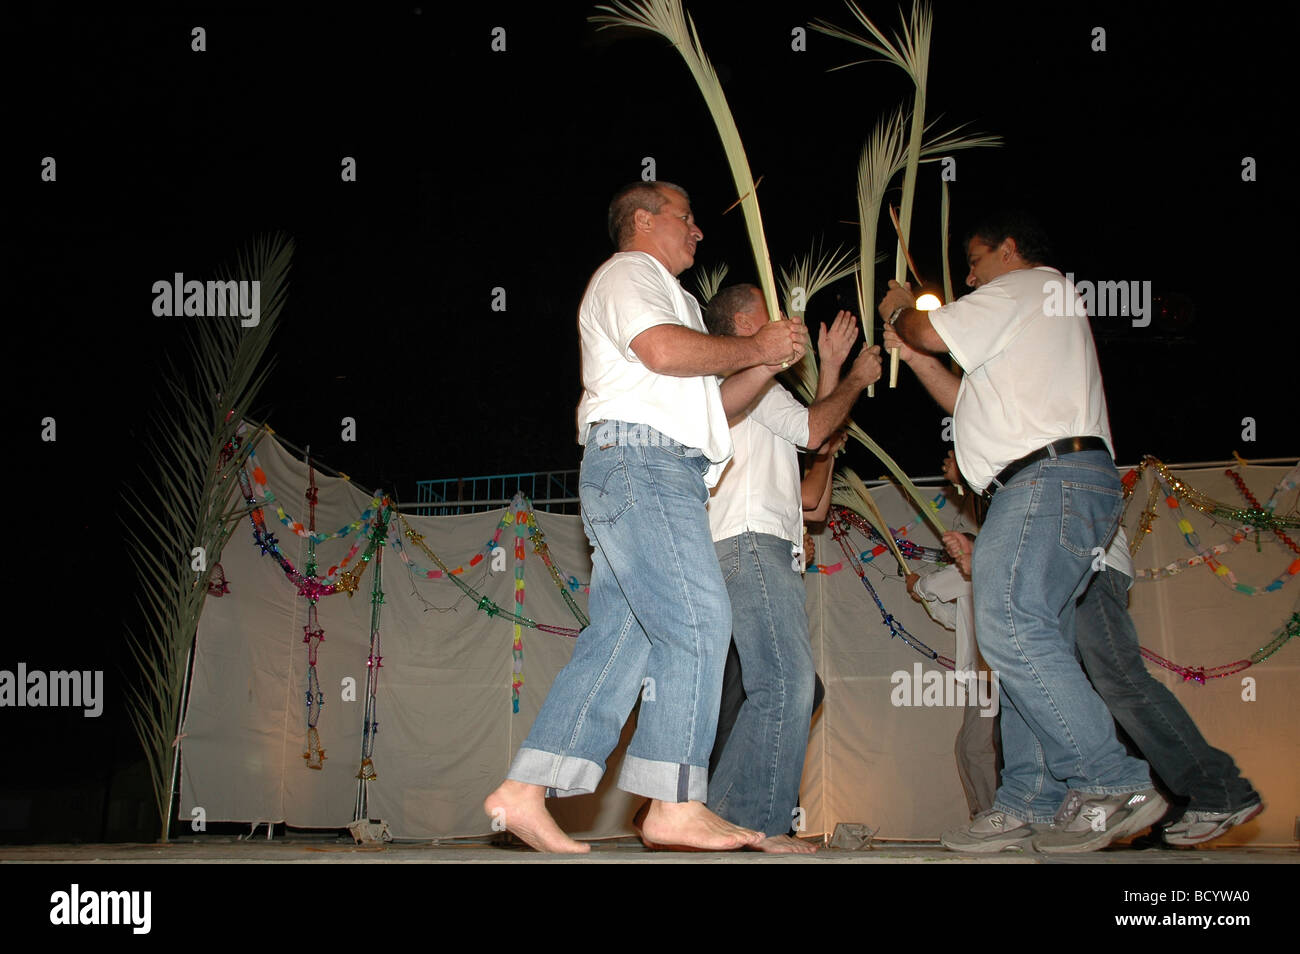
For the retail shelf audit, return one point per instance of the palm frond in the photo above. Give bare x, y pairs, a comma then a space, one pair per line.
806, 276
188, 493
849, 491
882, 156
938, 146
926, 508
666, 18
943, 235
812, 273
708, 282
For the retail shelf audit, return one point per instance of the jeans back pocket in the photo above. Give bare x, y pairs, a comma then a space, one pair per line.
1089, 515
604, 487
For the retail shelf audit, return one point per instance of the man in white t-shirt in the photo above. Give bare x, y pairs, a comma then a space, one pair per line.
1031, 430
756, 517
653, 420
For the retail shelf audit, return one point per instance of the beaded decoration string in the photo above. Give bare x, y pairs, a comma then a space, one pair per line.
840, 528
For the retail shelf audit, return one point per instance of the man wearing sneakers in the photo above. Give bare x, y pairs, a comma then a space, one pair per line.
1031, 431
1218, 796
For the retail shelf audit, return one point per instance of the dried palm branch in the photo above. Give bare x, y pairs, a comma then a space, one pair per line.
709, 282
666, 18
804, 279
191, 482
909, 51
849, 491
943, 234
882, 156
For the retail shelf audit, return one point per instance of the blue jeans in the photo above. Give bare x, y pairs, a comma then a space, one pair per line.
1151, 714
756, 781
1033, 559
660, 625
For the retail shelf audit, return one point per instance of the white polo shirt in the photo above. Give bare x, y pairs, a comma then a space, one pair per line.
1031, 378
759, 490
629, 293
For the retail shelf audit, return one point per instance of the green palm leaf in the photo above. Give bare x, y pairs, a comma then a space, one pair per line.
666, 18
184, 507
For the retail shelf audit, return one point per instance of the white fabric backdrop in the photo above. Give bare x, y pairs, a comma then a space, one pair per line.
447, 731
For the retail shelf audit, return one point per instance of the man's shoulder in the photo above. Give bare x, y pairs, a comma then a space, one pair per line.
639, 265
1024, 281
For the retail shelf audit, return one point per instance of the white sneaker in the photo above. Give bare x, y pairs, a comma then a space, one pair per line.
1194, 828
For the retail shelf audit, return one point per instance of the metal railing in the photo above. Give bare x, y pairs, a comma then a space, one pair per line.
553, 491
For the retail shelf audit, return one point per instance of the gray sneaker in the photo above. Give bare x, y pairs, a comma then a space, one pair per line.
1195, 828
990, 831
1089, 822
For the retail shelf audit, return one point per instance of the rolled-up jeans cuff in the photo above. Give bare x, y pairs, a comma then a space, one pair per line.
666, 781
560, 775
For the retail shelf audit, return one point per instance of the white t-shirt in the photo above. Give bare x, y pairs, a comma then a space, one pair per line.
1118, 557
629, 293
1031, 378
759, 490
948, 601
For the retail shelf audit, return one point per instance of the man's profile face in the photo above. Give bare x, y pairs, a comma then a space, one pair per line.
675, 232
985, 263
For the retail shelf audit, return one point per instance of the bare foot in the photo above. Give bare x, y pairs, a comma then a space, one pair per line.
785, 845
521, 808
692, 825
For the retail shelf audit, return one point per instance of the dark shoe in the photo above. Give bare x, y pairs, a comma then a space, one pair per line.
1195, 828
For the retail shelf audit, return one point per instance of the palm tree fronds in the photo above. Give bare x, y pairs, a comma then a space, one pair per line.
666, 18
849, 491
806, 276
909, 51
189, 487
943, 234
709, 282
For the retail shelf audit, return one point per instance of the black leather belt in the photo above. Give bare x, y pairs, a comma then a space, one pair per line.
1066, 445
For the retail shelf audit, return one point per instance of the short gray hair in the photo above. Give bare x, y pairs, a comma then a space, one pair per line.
719, 317
626, 201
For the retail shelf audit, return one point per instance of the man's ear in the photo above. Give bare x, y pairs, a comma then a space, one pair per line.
642, 220
1008, 249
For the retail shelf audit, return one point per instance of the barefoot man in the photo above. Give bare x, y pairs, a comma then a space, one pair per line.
653, 421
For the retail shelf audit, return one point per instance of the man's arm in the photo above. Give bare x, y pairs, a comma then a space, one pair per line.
740, 391
912, 326
815, 489
827, 414
929, 370
678, 351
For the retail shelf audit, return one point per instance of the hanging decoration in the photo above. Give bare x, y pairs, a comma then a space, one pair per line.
374, 662
840, 528
1174, 491
1260, 518
909, 548
339, 578
521, 516
1199, 674
313, 636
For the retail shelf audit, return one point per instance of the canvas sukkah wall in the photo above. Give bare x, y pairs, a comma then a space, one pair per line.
448, 729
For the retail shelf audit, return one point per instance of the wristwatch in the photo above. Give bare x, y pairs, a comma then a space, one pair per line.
894, 317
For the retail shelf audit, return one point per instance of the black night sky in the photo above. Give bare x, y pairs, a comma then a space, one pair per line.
478, 169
